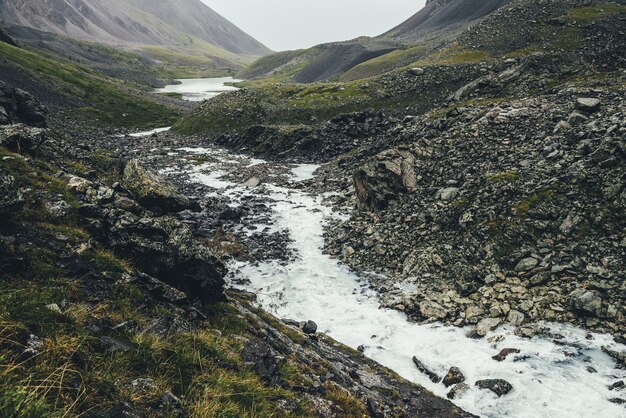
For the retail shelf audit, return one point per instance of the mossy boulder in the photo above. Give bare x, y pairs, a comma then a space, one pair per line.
151, 190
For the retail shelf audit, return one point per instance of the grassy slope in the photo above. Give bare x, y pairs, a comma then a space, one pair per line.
72, 373
94, 96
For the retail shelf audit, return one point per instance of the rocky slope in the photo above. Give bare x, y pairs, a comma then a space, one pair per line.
442, 18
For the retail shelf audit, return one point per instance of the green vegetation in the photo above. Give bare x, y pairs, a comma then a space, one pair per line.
98, 97
596, 12
504, 177
385, 63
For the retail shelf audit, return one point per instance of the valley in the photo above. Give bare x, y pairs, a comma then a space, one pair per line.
426, 223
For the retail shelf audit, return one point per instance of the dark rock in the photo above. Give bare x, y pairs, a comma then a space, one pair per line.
114, 345
422, 368
498, 386
20, 107
160, 290
458, 390
263, 360
309, 327
504, 353
454, 376
126, 410
617, 385
7, 39
151, 190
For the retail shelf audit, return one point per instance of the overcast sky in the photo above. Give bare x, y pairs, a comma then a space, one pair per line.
294, 24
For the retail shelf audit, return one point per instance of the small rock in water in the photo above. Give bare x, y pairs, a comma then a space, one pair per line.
310, 327
617, 385
422, 368
498, 386
454, 376
505, 353
458, 391
252, 182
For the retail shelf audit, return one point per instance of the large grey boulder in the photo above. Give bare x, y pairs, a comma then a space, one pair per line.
10, 196
381, 179
151, 190
18, 106
585, 302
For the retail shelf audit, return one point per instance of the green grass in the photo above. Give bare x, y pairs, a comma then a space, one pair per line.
99, 98
597, 12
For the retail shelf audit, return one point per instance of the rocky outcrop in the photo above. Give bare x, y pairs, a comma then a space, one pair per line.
10, 195
18, 106
151, 190
6, 38
162, 246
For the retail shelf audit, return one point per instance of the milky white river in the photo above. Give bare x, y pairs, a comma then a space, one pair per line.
550, 380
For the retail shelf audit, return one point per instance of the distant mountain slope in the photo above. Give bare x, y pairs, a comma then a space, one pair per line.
181, 27
442, 15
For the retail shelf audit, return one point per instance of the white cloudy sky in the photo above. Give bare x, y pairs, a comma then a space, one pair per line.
293, 24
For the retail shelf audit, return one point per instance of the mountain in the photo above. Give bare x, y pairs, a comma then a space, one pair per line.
161, 29
440, 16
433, 26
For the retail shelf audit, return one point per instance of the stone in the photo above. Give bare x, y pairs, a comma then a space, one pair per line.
486, 325
309, 327
114, 345
585, 302
79, 185
22, 138
433, 310
263, 360
526, 264
11, 198
498, 386
447, 194
422, 368
504, 353
458, 391
516, 318
160, 290
453, 377
21, 107
617, 385
576, 118
416, 71
252, 182
142, 385
588, 104
151, 190
384, 177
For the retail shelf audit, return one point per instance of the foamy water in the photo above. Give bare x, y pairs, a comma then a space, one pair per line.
553, 381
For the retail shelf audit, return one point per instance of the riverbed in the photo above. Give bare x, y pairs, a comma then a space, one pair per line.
562, 373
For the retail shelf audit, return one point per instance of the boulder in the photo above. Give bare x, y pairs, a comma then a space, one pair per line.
448, 194
416, 71
151, 190
263, 360
164, 248
458, 390
588, 104
309, 327
504, 353
10, 195
585, 302
526, 264
381, 179
21, 138
20, 107
484, 326
498, 386
454, 376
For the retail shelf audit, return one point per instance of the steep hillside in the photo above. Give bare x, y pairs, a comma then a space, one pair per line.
166, 30
442, 17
